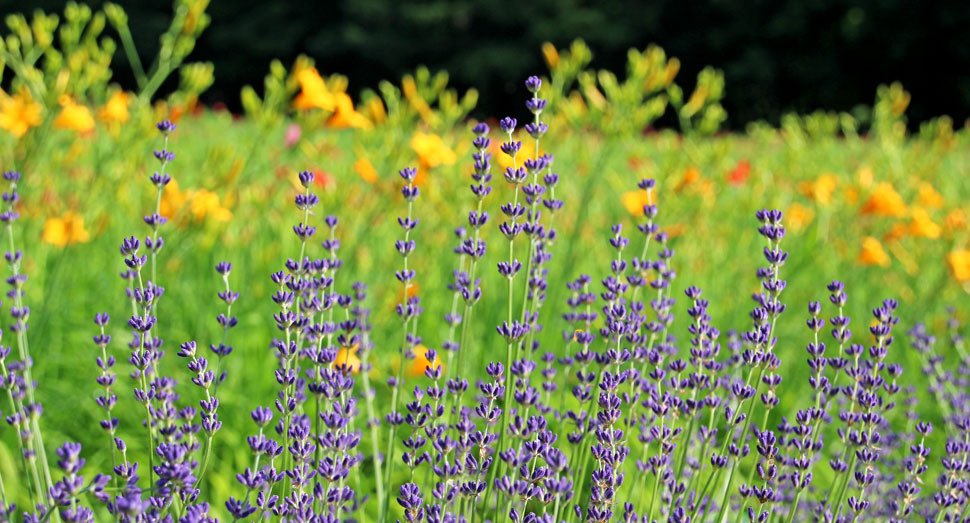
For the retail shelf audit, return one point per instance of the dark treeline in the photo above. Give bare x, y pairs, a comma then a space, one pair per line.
777, 56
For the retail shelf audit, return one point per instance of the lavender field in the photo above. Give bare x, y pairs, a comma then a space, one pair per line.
390, 307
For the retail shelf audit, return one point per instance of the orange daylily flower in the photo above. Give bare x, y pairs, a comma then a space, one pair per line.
922, 225
365, 170
65, 229
313, 91
431, 150
820, 189
872, 253
504, 161
959, 262
346, 116
173, 198
421, 362
799, 216
865, 176
347, 356
18, 113
73, 116
205, 203
928, 196
116, 108
884, 201
635, 200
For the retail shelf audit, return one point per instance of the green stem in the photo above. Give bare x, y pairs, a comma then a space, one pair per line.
402, 351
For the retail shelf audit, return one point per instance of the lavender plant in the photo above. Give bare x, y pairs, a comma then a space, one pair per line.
618, 421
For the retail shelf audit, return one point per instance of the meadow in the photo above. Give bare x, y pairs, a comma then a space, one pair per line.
868, 199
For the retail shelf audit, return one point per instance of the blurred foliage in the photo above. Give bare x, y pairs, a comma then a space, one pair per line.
788, 56
55, 68
580, 96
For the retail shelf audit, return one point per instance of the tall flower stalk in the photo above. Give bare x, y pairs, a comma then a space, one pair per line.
468, 283
408, 310
25, 410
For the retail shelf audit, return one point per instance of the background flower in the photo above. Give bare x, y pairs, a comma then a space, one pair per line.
65, 229
18, 113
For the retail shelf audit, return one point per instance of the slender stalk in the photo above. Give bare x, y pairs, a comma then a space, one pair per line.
372, 421
225, 333
14, 261
473, 263
410, 191
510, 345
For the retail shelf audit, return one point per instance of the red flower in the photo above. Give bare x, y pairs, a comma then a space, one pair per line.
740, 173
323, 179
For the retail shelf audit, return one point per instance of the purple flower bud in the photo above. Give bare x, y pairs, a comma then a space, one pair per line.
166, 127
508, 124
533, 84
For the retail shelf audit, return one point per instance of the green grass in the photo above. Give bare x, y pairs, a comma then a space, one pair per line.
105, 180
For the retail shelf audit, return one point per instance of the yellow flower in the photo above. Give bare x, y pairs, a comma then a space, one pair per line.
505, 161
884, 201
313, 91
173, 198
365, 170
73, 116
206, 203
65, 229
635, 200
347, 356
820, 189
799, 216
432, 150
116, 108
865, 176
922, 225
928, 196
18, 113
959, 262
346, 116
872, 253
421, 362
